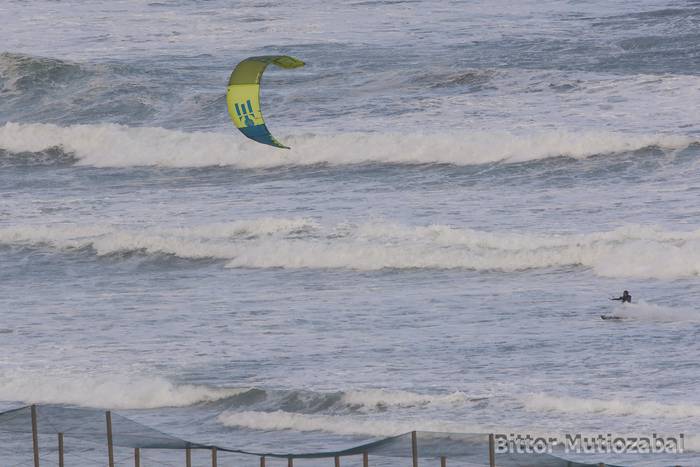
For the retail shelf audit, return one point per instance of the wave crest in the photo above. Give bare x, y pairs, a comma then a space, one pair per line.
111, 145
20, 73
106, 391
342, 425
612, 407
630, 251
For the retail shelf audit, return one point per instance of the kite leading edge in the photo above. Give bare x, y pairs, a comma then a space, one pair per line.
243, 96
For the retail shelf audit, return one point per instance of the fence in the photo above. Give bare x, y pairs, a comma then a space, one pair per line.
97, 427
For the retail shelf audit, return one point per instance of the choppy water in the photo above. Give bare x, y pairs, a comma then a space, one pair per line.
469, 183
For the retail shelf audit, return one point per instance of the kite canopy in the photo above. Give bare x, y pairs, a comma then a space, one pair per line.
243, 96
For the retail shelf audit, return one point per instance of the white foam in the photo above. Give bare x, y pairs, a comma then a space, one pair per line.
105, 391
356, 426
342, 425
644, 311
612, 406
110, 145
181, 241
630, 251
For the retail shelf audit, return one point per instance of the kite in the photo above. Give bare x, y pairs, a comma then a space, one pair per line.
243, 96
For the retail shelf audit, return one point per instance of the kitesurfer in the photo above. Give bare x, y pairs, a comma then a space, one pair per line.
626, 297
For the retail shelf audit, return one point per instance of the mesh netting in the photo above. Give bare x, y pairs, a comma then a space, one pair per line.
90, 425
469, 448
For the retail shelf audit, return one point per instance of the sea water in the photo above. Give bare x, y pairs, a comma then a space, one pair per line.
468, 185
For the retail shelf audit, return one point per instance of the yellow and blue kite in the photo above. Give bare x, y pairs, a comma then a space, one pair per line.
243, 96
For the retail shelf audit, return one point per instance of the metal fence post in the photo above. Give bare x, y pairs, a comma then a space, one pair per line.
35, 437
414, 448
110, 446
60, 450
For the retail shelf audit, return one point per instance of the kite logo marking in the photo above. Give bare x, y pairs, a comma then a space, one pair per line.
245, 113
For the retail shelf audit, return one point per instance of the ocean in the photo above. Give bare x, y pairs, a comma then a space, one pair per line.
468, 185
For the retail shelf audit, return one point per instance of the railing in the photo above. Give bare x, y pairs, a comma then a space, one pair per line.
479, 449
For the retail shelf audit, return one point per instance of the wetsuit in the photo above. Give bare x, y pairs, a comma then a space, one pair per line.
626, 298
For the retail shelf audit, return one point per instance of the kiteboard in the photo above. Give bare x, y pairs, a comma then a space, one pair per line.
612, 317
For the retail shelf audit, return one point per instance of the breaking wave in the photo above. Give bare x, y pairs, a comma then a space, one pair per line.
105, 391
630, 251
377, 427
357, 401
337, 424
121, 391
111, 145
611, 407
